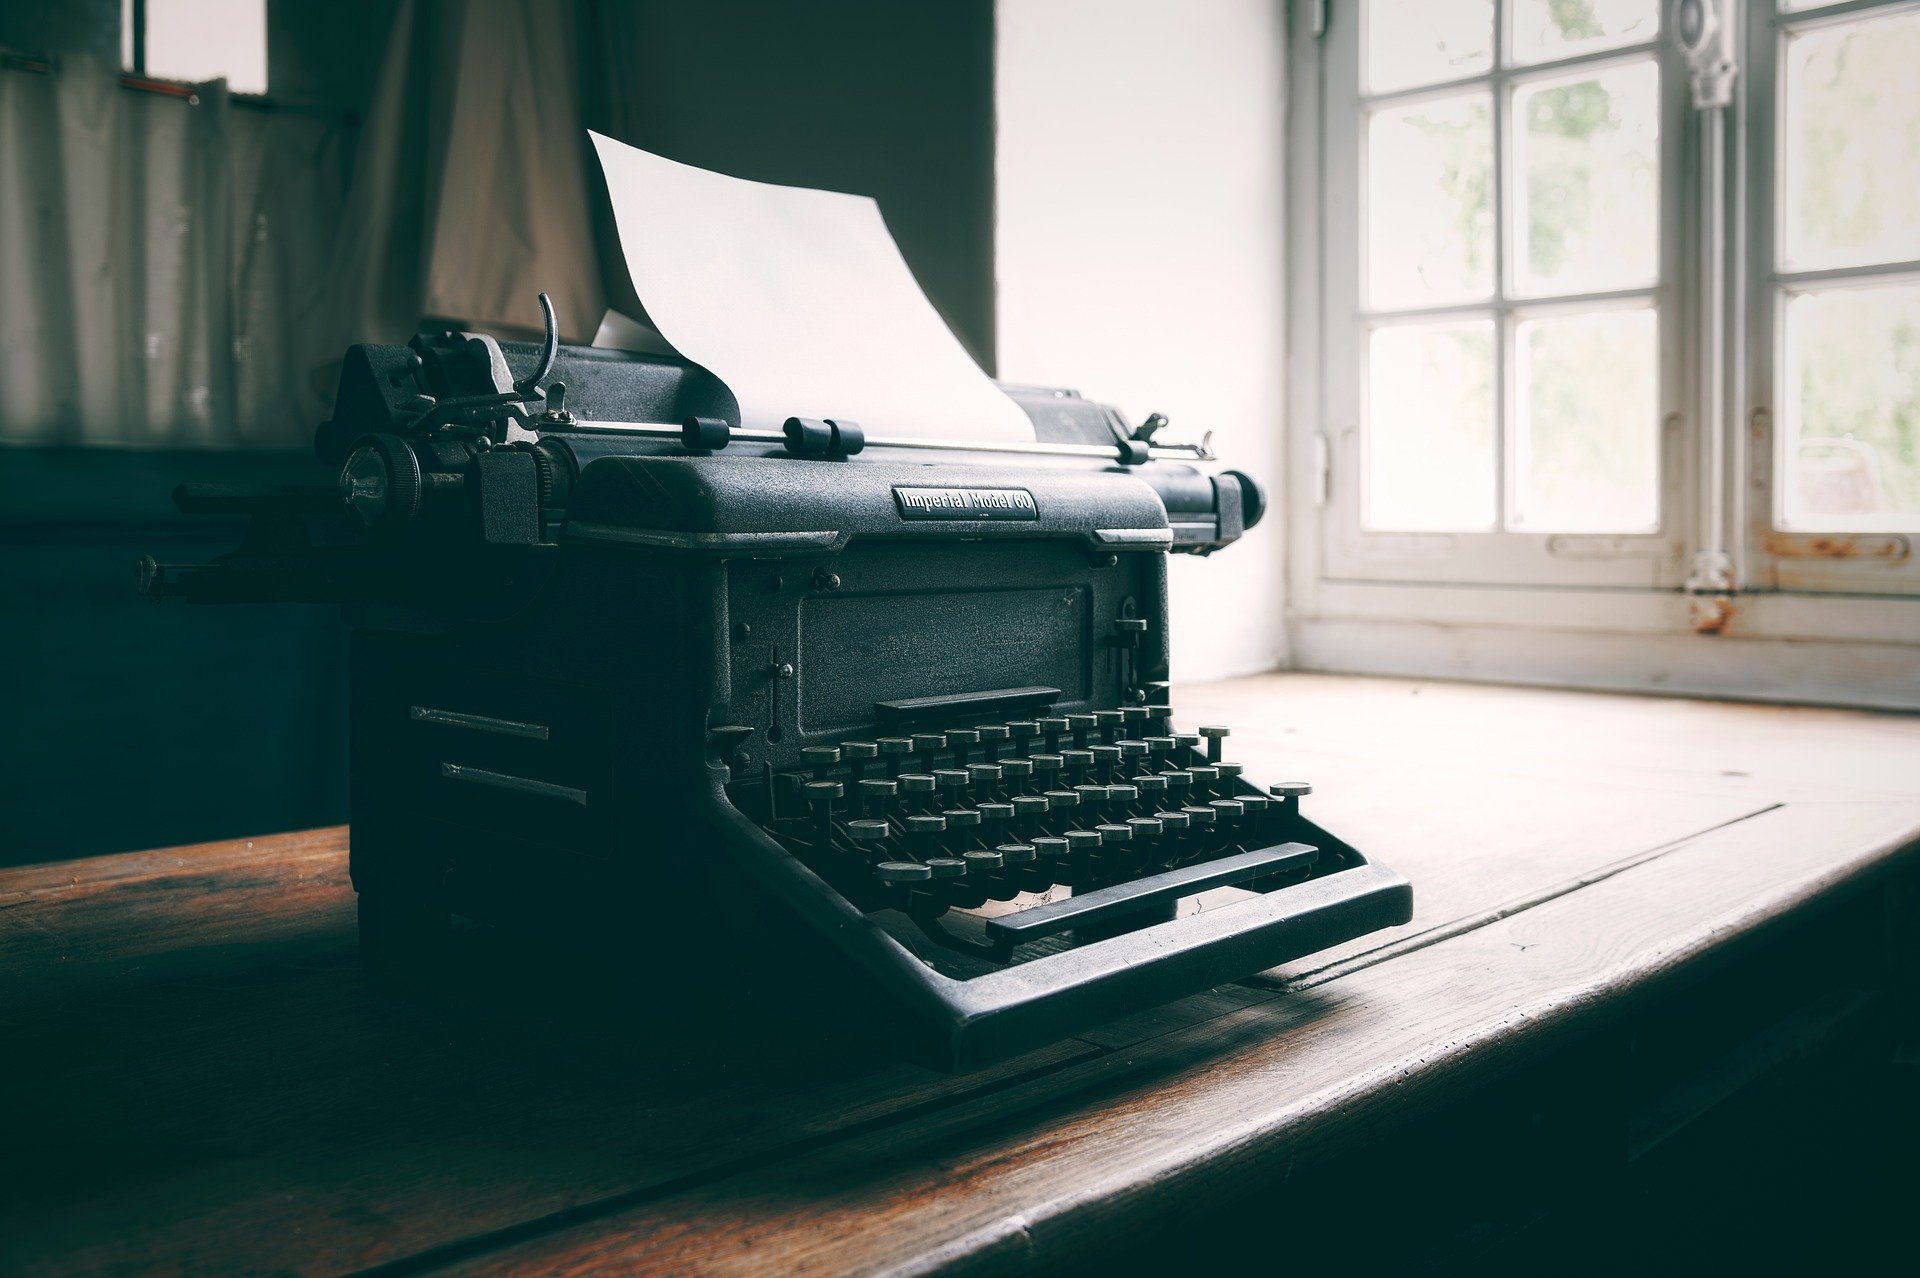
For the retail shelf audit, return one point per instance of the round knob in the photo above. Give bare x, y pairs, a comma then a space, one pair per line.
381, 481
902, 872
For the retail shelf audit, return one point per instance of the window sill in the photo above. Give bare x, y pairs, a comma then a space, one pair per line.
1830, 650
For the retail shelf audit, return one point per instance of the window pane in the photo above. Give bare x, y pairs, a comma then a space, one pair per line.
1429, 454
1851, 409
1430, 203
199, 40
1547, 29
1586, 423
1586, 198
1426, 42
1851, 144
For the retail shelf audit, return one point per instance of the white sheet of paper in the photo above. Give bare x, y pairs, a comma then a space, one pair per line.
799, 301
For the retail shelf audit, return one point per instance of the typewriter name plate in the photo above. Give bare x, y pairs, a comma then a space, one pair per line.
965, 503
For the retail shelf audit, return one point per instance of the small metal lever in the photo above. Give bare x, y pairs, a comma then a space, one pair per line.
551, 348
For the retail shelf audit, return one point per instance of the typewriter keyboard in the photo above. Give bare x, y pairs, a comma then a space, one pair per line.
933, 821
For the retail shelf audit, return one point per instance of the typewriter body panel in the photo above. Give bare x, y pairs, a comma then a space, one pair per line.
802, 707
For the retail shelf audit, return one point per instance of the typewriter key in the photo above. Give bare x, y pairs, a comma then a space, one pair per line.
923, 835
1045, 765
1081, 725
1091, 796
1173, 822
1017, 772
1052, 728
1028, 808
1122, 795
877, 795
1133, 751
820, 758
962, 740
1161, 746
991, 735
1021, 729
1076, 761
960, 818
1062, 799
858, 754
902, 872
1049, 846
1187, 740
1144, 827
1136, 715
1255, 804
1018, 853
1290, 789
1230, 770
1215, 733
1151, 784
993, 812
1110, 722
1204, 775
866, 830
984, 776
981, 860
1114, 832
1228, 808
1081, 842
1178, 780
917, 782
946, 867
1105, 759
894, 750
950, 778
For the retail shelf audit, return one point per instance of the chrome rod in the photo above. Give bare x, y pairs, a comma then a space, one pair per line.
659, 430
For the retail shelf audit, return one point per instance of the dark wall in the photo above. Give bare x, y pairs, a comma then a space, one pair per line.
126, 724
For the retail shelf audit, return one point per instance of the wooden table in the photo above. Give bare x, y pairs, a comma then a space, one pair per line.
199, 1078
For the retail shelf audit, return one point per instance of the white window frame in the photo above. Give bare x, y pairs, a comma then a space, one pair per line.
1499, 558
1858, 563
1716, 611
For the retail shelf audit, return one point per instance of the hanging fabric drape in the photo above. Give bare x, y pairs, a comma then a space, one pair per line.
163, 261
469, 190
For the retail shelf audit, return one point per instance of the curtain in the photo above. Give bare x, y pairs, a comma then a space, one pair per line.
164, 264
470, 192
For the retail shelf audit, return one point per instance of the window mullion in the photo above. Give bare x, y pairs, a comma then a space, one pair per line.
1502, 319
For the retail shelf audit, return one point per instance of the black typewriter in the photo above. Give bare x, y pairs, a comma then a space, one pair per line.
892, 714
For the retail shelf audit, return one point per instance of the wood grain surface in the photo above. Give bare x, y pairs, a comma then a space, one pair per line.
219, 1087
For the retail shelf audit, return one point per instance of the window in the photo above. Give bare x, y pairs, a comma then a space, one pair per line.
194, 41
1606, 322
1496, 311
1836, 318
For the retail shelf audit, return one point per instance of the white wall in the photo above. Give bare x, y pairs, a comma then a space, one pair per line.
1139, 248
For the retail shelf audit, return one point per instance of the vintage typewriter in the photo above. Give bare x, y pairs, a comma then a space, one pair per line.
891, 714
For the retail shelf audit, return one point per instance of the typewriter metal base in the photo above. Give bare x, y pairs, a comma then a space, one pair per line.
675, 884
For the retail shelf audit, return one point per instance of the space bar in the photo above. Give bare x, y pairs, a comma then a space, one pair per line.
1156, 889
